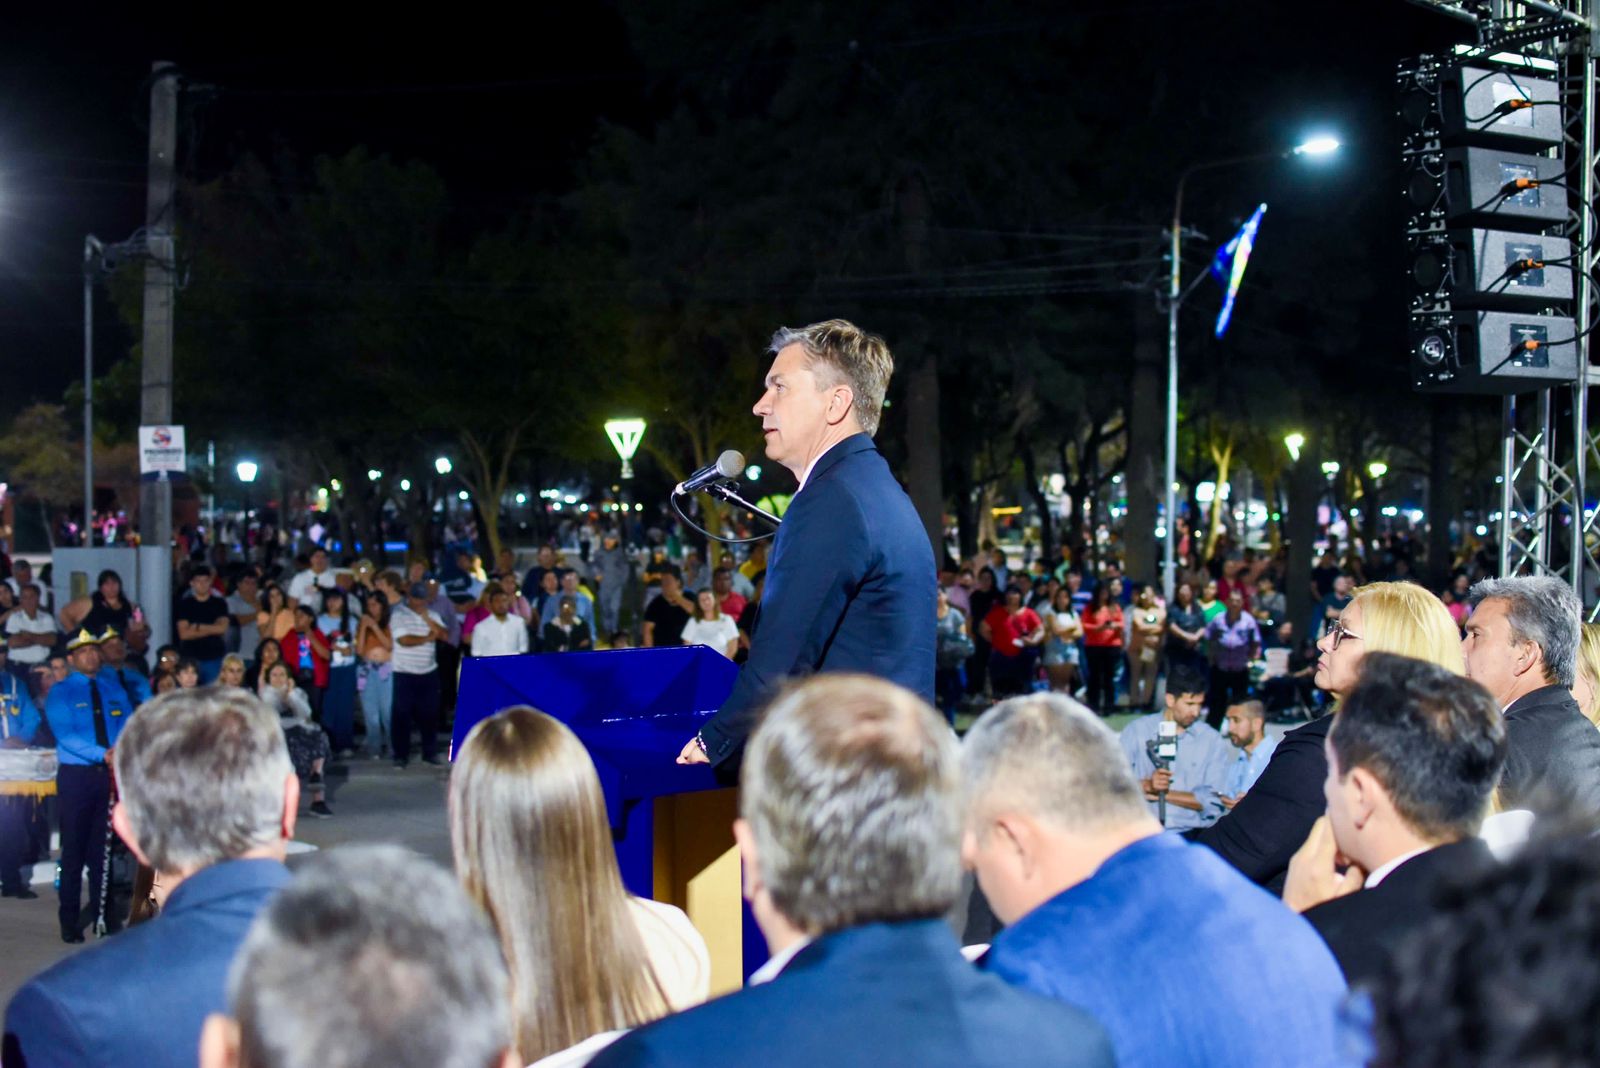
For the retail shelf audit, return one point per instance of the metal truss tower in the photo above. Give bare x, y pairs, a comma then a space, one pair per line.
1548, 462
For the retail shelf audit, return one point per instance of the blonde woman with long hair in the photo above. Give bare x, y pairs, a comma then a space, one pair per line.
1274, 817
1586, 683
533, 847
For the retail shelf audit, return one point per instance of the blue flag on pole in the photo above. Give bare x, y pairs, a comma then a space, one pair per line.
1228, 265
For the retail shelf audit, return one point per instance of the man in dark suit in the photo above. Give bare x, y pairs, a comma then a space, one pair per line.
1413, 756
209, 801
850, 835
851, 583
1521, 644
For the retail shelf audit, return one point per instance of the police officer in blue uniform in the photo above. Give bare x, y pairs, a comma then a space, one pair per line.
115, 665
19, 722
86, 711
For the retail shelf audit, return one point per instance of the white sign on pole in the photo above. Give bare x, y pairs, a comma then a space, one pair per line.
161, 452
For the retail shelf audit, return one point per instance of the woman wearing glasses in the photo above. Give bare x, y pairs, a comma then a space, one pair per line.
1271, 821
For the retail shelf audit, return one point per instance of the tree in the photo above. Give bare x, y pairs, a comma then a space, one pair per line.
40, 462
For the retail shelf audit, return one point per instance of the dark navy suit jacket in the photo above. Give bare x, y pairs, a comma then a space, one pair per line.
851, 586
138, 999
873, 996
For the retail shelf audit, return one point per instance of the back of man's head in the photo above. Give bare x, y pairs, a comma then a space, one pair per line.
1048, 756
851, 795
203, 775
372, 956
1434, 740
1542, 610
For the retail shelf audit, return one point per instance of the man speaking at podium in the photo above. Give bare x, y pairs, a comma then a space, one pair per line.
850, 579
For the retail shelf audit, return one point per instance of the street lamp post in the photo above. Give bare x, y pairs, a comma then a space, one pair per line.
1175, 294
625, 435
246, 470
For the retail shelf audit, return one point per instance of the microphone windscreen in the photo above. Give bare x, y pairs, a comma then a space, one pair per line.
731, 463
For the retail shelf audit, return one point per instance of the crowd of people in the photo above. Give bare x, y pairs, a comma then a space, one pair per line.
1129, 897
1405, 934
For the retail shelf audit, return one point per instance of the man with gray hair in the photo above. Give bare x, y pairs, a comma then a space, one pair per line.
1164, 943
849, 831
1521, 645
851, 583
342, 971
208, 800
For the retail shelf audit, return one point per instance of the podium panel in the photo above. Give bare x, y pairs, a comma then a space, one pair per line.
672, 824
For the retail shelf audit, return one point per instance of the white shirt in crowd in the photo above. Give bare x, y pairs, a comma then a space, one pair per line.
495, 637
413, 659
716, 633
301, 587
43, 623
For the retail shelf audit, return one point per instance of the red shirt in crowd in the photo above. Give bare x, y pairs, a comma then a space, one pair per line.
1095, 631
1005, 628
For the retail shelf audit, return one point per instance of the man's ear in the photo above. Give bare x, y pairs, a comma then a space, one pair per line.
124, 829
1367, 796
840, 401
749, 862
1017, 838
219, 1042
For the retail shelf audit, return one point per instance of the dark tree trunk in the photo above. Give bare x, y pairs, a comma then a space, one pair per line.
1146, 462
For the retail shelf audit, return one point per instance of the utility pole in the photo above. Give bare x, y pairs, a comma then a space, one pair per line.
155, 408
92, 250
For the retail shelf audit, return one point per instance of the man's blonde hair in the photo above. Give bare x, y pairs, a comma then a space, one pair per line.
851, 356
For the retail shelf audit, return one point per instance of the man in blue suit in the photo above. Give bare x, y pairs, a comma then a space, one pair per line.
851, 584
86, 712
208, 801
849, 832
1161, 941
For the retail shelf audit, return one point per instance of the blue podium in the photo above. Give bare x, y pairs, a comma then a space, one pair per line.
634, 709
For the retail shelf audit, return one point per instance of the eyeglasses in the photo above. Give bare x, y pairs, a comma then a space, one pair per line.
1339, 632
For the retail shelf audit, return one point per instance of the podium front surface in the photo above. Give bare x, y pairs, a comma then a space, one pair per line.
633, 709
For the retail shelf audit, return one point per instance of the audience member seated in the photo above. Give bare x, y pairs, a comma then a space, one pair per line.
1196, 779
372, 956
1522, 646
1263, 831
208, 802
1505, 973
1413, 757
308, 745
1586, 678
850, 836
532, 847
1183, 960
1247, 730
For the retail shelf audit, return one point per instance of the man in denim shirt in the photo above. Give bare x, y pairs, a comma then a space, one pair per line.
1195, 780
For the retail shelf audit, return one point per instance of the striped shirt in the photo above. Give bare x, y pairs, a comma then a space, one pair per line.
413, 659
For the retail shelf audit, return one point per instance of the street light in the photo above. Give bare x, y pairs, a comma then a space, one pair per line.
1330, 468
1294, 442
625, 435
373, 474
443, 465
246, 470
1317, 146
405, 485
1377, 469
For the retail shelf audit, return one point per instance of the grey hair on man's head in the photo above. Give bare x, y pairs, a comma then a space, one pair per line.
1047, 755
1542, 610
202, 774
851, 790
372, 955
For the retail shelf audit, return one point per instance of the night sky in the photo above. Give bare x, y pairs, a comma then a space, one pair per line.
505, 107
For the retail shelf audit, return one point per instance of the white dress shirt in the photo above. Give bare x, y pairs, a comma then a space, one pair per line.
497, 637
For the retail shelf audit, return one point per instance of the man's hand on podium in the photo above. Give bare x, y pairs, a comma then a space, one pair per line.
694, 752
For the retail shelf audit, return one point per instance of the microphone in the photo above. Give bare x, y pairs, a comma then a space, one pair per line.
728, 465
